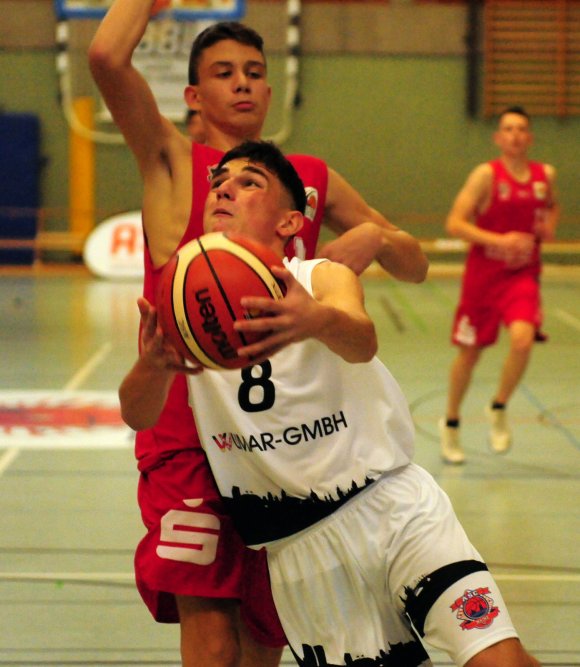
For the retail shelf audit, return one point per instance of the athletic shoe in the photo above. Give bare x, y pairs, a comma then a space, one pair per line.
500, 437
451, 449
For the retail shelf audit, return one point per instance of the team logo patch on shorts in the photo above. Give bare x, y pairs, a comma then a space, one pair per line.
475, 609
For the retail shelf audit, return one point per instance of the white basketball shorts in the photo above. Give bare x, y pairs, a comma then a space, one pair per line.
389, 565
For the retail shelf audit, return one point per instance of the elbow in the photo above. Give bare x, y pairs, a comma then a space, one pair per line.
365, 355
372, 350
420, 271
97, 55
412, 265
366, 350
136, 422
133, 414
99, 63
373, 347
102, 59
451, 227
414, 272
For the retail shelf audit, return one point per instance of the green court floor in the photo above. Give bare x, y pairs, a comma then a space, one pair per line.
68, 513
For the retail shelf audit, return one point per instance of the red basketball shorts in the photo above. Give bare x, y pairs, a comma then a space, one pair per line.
483, 308
192, 548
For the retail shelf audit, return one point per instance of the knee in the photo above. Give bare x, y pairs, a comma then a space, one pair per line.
209, 632
469, 356
211, 651
521, 337
522, 343
221, 651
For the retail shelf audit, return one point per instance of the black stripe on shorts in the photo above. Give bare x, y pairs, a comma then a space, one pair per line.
419, 599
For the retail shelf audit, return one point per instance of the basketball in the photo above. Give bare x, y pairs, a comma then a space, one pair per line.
199, 293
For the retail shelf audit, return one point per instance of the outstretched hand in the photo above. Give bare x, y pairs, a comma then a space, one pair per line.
155, 350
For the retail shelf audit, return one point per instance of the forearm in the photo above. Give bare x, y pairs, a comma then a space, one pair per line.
552, 219
352, 337
143, 393
467, 231
119, 34
401, 255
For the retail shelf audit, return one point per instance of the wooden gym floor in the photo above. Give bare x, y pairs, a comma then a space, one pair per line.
68, 513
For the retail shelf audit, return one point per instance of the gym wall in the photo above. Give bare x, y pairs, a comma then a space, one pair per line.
383, 90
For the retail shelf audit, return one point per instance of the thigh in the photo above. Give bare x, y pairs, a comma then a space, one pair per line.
476, 323
439, 577
521, 301
329, 588
191, 547
209, 632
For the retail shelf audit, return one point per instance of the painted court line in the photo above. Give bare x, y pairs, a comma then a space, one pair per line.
85, 371
551, 417
7, 458
566, 317
122, 577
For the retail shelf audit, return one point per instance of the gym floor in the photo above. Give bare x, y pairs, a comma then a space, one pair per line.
69, 520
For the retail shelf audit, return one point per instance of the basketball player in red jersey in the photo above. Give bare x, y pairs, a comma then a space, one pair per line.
191, 566
506, 208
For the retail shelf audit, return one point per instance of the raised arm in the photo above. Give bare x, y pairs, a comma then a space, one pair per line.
366, 235
335, 315
125, 91
144, 389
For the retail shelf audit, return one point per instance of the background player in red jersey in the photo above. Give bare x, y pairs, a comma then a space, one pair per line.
506, 208
184, 572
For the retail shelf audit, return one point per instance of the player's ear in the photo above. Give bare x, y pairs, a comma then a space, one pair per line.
291, 224
191, 97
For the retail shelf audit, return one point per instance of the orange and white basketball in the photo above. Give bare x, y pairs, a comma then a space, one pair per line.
199, 293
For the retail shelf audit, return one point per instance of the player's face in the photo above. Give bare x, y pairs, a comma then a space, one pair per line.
233, 92
513, 136
246, 198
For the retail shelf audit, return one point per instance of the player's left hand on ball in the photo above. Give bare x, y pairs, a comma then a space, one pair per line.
283, 322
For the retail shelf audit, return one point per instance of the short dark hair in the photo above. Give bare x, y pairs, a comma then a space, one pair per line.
218, 32
268, 154
515, 109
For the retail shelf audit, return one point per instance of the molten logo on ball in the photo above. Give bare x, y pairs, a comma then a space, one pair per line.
200, 291
212, 325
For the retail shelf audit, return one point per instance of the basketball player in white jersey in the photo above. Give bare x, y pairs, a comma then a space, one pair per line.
311, 447
204, 586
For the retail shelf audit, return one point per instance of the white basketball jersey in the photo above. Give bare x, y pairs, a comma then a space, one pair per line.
293, 438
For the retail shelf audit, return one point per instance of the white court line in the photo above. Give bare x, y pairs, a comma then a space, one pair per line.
121, 577
74, 383
93, 577
7, 458
574, 322
556, 578
83, 373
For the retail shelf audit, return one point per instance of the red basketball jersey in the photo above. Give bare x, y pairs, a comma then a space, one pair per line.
175, 428
514, 207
